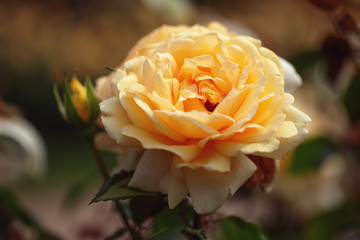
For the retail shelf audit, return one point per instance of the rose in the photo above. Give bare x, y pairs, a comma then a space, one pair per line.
195, 103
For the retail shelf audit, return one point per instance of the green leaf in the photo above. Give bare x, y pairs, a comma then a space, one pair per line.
115, 188
144, 207
235, 228
352, 99
71, 113
195, 234
345, 217
310, 154
92, 100
59, 101
117, 234
169, 223
306, 59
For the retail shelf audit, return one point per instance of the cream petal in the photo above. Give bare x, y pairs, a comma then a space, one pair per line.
286, 145
210, 159
103, 141
129, 158
207, 190
162, 86
177, 186
149, 71
103, 87
187, 151
210, 189
292, 78
124, 82
151, 169
114, 119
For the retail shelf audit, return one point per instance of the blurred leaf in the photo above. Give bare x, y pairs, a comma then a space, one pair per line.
306, 59
352, 99
309, 155
93, 102
59, 101
195, 234
117, 234
115, 188
144, 207
329, 224
235, 228
10, 208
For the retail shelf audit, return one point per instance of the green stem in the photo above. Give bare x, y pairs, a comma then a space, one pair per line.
105, 175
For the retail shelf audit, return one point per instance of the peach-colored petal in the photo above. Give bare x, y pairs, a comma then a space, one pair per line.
209, 189
210, 159
114, 119
187, 151
186, 126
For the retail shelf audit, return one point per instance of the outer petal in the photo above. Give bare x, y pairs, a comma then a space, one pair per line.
187, 151
287, 144
292, 78
210, 189
156, 173
114, 119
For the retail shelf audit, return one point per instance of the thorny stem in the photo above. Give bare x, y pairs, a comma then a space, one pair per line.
105, 175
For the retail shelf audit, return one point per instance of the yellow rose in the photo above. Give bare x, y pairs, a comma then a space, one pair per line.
198, 101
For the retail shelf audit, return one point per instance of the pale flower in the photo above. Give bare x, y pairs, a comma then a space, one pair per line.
194, 103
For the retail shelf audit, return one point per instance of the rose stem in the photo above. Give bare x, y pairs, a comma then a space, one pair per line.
105, 176
199, 221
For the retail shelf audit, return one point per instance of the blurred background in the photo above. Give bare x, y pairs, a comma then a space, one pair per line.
315, 195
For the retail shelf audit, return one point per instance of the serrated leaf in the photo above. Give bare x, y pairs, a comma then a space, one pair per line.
310, 154
71, 113
352, 99
115, 188
92, 100
144, 207
195, 234
235, 228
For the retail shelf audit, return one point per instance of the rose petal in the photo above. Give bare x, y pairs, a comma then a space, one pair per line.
209, 189
188, 151
292, 78
114, 119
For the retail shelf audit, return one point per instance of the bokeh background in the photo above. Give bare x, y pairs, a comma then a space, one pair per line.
316, 194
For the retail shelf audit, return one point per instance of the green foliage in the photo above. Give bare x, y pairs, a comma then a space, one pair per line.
195, 234
115, 188
309, 155
329, 224
304, 60
235, 228
170, 223
92, 100
352, 99
144, 207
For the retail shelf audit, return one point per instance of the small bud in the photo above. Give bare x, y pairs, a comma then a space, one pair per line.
80, 106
